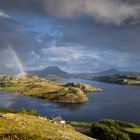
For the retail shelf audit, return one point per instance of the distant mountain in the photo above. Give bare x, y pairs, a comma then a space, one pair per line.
51, 70
55, 72
111, 71
91, 75
108, 72
5, 70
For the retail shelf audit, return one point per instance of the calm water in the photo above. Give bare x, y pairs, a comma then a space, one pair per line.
115, 102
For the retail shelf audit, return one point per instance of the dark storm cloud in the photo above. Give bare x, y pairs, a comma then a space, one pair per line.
77, 35
104, 11
125, 38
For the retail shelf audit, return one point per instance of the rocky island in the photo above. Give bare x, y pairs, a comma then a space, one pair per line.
50, 91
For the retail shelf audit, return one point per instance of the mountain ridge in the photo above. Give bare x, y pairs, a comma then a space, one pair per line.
50, 70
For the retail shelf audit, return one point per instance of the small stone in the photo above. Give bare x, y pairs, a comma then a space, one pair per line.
3, 116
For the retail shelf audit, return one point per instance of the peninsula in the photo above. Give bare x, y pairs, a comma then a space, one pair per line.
50, 91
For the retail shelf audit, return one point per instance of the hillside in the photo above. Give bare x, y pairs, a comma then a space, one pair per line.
24, 127
27, 124
47, 90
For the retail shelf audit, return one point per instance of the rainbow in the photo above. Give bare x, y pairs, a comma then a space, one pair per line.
17, 59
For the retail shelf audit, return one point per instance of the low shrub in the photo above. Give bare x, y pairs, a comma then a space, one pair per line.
6, 110
22, 111
28, 112
104, 132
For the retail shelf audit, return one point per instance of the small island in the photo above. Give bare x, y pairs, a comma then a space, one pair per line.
50, 91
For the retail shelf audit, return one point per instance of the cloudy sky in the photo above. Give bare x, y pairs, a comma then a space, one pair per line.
76, 35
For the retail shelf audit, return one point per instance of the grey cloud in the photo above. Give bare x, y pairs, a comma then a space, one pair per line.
84, 60
67, 57
125, 38
74, 44
104, 11
2, 14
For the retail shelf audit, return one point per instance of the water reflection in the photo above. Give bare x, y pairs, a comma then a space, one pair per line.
6, 99
72, 107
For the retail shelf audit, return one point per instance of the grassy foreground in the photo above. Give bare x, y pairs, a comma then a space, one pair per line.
29, 127
50, 91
